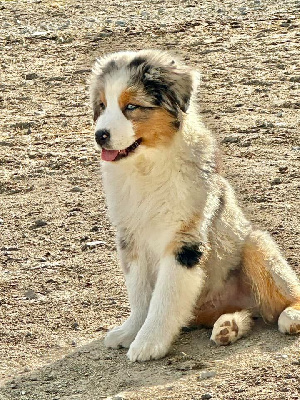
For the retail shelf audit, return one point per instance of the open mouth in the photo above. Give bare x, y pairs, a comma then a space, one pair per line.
115, 155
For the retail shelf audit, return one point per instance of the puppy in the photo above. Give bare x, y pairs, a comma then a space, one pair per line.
187, 251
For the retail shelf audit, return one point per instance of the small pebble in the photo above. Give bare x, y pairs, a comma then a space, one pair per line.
76, 189
231, 139
120, 23
206, 396
295, 78
246, 143
206, 375
39, 223
31, 76
92, 245
283, 169
30, 294
75, 326
9, 248
276, 181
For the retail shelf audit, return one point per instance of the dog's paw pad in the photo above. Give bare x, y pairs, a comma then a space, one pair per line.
289, 321
231, 327
225, 333
294, 328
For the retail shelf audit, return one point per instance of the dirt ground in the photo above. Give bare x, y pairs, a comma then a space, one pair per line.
60, 293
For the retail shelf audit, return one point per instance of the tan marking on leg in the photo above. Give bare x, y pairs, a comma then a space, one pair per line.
209, 317
235, 295
188, 232
296, 306
270, 300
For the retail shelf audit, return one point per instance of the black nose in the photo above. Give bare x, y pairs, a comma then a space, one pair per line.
102, 136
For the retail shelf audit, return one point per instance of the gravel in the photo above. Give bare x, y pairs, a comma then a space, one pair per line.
247, 54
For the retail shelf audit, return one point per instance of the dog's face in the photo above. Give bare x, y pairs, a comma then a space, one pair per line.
138, 99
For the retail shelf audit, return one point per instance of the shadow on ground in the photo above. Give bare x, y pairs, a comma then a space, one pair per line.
94, 372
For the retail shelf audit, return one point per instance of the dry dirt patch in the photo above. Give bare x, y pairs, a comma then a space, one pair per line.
57, 294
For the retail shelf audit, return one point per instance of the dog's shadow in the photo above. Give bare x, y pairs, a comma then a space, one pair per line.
95, 372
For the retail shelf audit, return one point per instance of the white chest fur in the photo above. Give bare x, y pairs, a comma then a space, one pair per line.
151, 197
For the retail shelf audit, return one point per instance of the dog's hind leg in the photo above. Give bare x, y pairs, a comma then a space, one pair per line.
274, 283
231, 327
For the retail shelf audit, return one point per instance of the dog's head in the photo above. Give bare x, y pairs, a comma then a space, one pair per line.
138, 99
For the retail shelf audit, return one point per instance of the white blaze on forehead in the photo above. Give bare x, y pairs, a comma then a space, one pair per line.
113, 119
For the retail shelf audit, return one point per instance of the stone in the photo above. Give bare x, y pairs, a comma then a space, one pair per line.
230, 139
30, 294
276, 181
31, 76
39, 223
92, 245
206, 375
76, 189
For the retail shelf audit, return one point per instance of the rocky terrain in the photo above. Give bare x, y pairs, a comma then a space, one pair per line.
61, 287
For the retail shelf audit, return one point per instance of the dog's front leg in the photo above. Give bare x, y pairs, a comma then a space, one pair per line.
139, 293
171, 306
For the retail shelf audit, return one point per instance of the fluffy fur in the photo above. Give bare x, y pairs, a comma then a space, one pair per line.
187, 251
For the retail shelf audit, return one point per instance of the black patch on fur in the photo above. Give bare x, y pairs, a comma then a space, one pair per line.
123, 243
136, 62
109, 67
159, 89
189, 255
176, 123
168, 86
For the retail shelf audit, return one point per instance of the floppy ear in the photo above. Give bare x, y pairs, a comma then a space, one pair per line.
181, 86
95, 87
95, 102
171, 86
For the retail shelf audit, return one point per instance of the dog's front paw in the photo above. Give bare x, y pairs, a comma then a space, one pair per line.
146, 350
119, 337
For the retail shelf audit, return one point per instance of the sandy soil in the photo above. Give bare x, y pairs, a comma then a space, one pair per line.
59, 295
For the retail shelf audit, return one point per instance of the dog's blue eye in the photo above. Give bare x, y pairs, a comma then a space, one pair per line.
131, 107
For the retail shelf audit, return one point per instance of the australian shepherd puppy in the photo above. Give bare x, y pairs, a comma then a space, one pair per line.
188, 252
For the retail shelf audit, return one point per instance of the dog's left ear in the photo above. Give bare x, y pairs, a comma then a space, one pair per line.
170, 84
181, 85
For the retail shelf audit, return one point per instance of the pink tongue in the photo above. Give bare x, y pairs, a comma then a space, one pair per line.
109, 155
